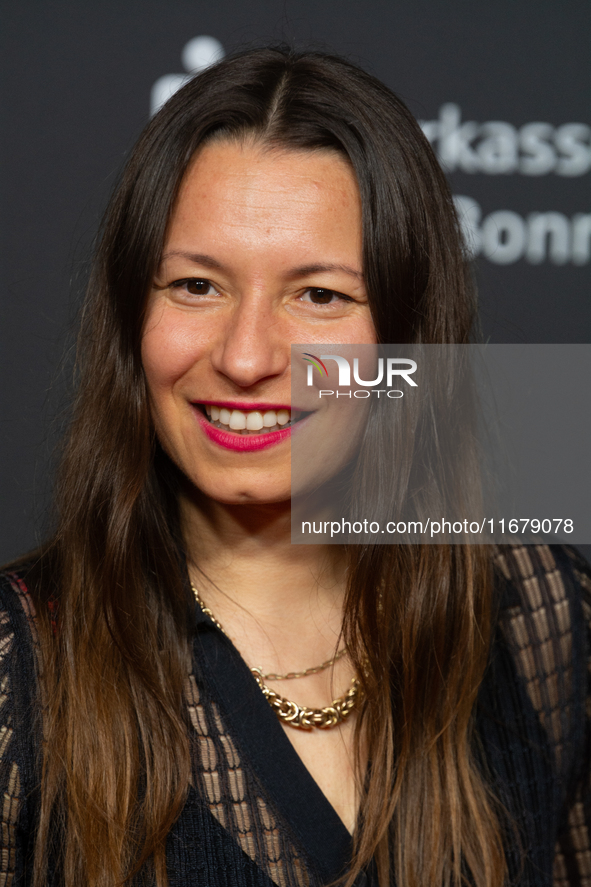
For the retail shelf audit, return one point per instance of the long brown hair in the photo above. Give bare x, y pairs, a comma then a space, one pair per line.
116, 763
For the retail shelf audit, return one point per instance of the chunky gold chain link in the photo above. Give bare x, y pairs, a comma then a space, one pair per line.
307, 718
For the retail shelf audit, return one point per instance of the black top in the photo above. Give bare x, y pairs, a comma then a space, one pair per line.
255, 817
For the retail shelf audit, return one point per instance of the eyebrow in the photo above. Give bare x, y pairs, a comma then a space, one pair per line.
300, 271
196, 258
304, 270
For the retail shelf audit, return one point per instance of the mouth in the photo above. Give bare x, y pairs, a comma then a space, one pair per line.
244, 422
234, 427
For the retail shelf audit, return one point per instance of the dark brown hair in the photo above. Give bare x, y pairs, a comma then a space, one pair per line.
116, 739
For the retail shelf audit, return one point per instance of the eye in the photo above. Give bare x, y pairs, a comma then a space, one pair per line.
319, 296
196, 286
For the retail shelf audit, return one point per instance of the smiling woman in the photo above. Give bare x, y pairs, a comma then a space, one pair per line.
433, 727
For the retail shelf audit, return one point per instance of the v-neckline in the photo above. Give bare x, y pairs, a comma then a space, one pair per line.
260, 737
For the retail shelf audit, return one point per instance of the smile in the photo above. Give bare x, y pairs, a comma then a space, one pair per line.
250, 421
247, 430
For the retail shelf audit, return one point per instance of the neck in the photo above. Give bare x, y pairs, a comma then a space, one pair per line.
246, 552
259, 585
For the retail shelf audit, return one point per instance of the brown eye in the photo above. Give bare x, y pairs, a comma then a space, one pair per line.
195, 286
321, 297
199, 287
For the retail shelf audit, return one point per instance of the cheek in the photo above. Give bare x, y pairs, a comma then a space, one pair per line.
360, 330
170, 349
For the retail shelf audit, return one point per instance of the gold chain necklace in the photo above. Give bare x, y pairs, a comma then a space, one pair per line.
300, 716
316, 669
272, 676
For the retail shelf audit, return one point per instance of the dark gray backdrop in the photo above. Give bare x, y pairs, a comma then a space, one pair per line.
503, 90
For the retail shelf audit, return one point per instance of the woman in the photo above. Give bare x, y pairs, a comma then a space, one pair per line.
277, 198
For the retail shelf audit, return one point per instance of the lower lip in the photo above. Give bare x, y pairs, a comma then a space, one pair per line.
243, 443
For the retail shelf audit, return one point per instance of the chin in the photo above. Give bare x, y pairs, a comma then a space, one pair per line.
248, 497
227, 492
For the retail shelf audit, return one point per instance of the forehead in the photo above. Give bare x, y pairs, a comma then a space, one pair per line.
246, 194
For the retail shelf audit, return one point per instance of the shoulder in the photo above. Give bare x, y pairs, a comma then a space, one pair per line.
527, 565
18, 655
19, 720
18, 641
15, 594
545, 594
544, 622
17, 615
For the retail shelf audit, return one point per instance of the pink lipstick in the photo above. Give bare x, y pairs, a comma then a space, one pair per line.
245, 443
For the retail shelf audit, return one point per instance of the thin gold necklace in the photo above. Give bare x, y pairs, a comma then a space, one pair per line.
300, 716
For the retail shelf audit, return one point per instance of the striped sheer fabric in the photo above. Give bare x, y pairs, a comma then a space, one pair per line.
237, 801
16, 752
540, 633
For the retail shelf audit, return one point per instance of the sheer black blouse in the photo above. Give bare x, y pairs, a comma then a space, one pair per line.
254, 816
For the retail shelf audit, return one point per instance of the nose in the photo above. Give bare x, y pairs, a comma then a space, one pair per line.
251, 347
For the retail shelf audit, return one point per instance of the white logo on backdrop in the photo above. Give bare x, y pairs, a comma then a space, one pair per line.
504, 237
197, 55
499, 148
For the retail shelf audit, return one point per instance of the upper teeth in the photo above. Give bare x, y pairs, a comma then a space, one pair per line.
253, 420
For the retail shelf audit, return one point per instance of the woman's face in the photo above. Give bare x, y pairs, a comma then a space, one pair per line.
264, 249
